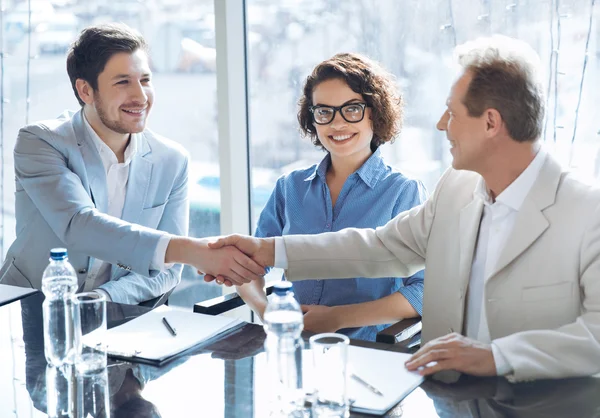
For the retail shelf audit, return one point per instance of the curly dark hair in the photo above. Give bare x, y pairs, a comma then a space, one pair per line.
365, 77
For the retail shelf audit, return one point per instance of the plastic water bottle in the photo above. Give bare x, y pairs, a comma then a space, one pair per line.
283, 323
59, 283
60, 391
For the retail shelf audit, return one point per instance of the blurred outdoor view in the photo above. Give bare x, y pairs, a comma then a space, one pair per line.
414, 40
285, 39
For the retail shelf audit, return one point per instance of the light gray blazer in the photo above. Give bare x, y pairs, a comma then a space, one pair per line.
61, 200
542, 300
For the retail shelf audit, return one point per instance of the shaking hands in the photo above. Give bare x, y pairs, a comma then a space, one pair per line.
260, 251
231, 260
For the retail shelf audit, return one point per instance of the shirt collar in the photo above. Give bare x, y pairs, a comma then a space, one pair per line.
106, 154
516, 192
370, 172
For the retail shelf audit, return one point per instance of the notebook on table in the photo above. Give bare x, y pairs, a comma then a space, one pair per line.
384, 370
146, 339
10, 293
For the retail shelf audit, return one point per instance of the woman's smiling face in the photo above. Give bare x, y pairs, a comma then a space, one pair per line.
340, 137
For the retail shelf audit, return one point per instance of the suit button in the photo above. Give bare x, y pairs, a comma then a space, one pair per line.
82, 271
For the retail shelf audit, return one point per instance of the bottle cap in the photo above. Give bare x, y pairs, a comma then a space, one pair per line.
58, 253
282, 288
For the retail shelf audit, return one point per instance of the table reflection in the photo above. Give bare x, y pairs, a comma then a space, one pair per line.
227, 378
472, 397
64, 392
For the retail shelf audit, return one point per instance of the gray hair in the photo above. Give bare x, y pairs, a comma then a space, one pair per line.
507, 76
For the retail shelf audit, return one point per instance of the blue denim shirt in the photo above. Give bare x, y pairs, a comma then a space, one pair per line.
370, 197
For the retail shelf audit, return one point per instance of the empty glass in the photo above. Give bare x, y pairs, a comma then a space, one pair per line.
89, 320
93, 399
330, 355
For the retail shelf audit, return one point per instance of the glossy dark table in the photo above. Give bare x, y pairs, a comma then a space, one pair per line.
225, 379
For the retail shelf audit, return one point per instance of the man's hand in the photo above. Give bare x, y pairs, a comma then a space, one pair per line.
454, 352
261, 250
233, 264
319, 318
229, 263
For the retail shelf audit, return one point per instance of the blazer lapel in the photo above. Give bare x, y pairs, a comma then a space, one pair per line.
531, 222
470, 219
529, 225
93, 163
138, 182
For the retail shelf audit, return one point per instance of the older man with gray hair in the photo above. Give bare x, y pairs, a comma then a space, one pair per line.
509, 240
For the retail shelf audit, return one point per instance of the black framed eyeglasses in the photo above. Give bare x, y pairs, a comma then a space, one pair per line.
351, 112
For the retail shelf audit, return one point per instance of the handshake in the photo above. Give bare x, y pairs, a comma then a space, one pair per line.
231, 260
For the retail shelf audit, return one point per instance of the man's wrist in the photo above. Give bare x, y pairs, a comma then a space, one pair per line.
267, 249
181, 250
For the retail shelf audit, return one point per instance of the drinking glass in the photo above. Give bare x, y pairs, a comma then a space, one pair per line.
330, 356
89, 321
93, 399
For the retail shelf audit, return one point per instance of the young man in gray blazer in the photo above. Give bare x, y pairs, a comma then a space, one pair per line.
99, 183
509, 240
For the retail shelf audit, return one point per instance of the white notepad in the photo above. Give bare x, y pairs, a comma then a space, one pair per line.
146, 339
384, 370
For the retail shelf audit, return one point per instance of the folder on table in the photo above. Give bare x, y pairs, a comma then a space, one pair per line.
10, 293
383, 370
146, 339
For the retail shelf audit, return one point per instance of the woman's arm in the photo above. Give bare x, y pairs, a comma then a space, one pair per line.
407, 302
389, 309
254, 295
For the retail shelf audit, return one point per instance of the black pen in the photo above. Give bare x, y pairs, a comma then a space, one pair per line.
366, 384
172, 330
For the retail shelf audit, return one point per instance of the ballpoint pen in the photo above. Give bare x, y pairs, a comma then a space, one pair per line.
172, 330
365, 384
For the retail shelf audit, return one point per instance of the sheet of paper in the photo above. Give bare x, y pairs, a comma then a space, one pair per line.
384, 370
147, 337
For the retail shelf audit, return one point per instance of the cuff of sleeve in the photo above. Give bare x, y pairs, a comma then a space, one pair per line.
158, 260
414, 297
503, 367
281, 260
105, 293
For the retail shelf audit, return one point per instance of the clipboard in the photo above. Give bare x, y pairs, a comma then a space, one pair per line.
9, 294
384, 370
146, 340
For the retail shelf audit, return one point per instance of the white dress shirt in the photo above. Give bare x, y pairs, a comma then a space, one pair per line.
117, 175
497, 222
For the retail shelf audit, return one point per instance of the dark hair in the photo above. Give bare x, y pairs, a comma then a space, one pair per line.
506, 77
365, 77
90, 52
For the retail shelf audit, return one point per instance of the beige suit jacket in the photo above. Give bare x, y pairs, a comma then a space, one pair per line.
543, 299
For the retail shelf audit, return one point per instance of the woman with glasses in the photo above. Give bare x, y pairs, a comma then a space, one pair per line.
350, 107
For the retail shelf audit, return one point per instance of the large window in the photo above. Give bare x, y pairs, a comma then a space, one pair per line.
414, 40
285, 40
181, 35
